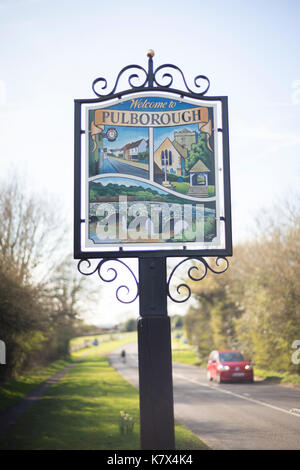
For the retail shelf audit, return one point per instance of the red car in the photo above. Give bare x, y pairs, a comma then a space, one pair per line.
229, 366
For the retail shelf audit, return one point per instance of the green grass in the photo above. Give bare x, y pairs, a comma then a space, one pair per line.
182, 351
82, 410
281, 377
106, 346
186, 440
181, 187
185, 356
12, 391
81, 339
211, 191
184, 187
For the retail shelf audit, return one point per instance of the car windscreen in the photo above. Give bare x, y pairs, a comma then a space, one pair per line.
231, 357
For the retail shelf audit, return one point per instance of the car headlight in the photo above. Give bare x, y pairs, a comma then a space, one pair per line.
222, 367
248, 366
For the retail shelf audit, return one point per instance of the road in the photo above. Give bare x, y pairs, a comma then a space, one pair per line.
236, 416
111, 165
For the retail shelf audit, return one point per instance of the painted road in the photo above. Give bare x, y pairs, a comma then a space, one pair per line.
113, 166
258, 416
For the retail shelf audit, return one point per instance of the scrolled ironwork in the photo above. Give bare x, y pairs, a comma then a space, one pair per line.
205, 266
89, 270
132, 76
171, 79
151, 80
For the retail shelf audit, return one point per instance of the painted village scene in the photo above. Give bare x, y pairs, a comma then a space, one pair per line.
182, 173
183, 161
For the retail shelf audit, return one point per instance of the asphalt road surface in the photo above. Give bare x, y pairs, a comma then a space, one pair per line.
112, 165
258, 416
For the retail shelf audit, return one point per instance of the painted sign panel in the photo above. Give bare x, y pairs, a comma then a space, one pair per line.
152, 173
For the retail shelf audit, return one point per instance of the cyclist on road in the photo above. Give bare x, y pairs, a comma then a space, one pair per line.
123, 355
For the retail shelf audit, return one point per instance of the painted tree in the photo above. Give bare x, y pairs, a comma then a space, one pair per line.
200, 151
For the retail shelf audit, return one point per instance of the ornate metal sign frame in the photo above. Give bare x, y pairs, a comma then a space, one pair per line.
151, 80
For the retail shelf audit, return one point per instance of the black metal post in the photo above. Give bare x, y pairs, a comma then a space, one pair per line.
155, 357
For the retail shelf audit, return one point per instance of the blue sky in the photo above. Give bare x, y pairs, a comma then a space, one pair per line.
126, 135
52, 50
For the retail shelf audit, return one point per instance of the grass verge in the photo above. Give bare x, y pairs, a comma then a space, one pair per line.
186, 357
280, 377
14, 390
182, 351
110, 343
82, 411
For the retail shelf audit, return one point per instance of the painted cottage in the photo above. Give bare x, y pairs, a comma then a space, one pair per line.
131, 150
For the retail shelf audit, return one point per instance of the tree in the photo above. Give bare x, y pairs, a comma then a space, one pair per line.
22, 320
176, 321
271, 298
38, 294
200, 151
31, 230
198, 331
62, 296
255, 304
212, 322
129, 325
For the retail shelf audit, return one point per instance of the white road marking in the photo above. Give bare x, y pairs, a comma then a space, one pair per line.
291, 412
245, 396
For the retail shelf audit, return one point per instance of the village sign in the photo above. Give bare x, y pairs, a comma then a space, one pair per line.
152, 182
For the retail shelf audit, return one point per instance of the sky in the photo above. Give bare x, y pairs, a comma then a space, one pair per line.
52, 50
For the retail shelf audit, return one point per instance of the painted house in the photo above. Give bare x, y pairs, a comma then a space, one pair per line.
170, 157
131, 150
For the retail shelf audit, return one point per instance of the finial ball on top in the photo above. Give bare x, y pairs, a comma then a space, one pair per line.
150, 53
